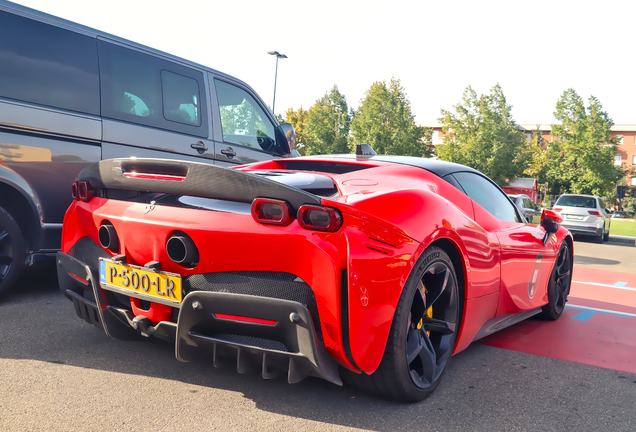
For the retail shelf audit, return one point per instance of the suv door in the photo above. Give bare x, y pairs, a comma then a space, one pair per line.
152, 107
247, 129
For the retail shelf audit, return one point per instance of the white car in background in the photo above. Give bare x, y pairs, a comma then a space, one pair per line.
584, 215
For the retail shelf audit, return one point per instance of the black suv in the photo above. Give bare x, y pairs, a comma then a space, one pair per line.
71, 96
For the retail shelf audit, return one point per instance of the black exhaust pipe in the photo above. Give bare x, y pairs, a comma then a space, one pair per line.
108, 237
182, 250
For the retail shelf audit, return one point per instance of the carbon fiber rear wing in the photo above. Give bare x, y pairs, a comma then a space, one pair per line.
191, 179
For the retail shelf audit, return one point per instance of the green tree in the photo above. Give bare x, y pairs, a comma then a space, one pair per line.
537, 157
482, 134
385, 121
328, 120
298, 119
581, 158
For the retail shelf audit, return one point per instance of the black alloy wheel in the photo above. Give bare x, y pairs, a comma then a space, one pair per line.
432, 325
423, 333
559, 285
11, 251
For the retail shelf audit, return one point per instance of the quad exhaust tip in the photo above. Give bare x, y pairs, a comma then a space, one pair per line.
182, 250
108, 237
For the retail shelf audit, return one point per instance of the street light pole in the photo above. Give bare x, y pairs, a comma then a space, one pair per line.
278, 55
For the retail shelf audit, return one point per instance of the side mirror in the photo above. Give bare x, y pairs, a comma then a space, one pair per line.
550, 222
285, 139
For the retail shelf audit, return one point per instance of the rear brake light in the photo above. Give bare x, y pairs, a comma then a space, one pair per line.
246, 319
556, 209
594, 213
271, 212
154, 176
82, 191
319, 218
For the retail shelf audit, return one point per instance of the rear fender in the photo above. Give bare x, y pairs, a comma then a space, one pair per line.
19, 199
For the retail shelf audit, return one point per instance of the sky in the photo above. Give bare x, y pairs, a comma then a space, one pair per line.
535, 50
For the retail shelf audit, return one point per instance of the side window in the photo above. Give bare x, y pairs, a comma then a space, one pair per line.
47, 65
143, 89
487, 195
243, 120
601, 204
180, 98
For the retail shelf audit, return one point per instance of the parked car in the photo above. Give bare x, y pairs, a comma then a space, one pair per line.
619, 215
584, 215
71, 95
310, 265
528, 208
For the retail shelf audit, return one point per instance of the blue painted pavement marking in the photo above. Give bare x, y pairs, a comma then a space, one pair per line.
588, 312
620, 284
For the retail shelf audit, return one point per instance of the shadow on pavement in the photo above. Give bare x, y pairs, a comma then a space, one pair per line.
484, 387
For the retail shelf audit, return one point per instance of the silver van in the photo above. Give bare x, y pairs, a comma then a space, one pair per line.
71, 96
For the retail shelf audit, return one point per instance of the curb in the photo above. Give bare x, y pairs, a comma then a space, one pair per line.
622, 239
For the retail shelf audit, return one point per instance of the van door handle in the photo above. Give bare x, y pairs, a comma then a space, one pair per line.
229, 152
199, 146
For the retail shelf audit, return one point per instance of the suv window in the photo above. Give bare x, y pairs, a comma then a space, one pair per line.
47, 65
147, 90
576, 201
242, 119
487, 195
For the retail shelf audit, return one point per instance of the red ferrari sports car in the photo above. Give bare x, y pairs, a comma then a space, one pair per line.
371, 268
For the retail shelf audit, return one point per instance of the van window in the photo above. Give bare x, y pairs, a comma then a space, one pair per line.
243, 120
47, 65
180, 98
147, 90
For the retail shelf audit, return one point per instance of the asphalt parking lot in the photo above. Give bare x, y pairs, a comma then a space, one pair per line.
59, 373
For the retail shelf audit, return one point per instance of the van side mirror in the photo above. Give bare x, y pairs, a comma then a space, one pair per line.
285, 139
550, 222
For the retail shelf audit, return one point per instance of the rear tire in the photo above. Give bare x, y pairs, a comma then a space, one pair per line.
599, 238
606, 237
559, 285
423, 333
11, 251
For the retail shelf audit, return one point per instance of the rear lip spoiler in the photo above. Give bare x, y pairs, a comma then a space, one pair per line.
192, 179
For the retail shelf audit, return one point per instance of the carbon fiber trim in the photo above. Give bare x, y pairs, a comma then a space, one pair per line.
201, 180
277, 285
88, 252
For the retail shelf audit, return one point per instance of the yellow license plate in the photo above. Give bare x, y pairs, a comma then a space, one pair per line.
155, 286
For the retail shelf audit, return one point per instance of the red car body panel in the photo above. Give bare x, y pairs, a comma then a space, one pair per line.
391, 214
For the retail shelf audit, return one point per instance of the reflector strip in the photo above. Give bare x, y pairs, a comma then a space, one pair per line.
154, 176
82, 280
246, 319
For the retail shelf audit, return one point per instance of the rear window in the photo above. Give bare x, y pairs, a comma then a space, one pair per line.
47, 65
577, 201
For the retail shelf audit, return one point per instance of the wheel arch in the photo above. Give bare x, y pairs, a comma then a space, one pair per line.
24, 210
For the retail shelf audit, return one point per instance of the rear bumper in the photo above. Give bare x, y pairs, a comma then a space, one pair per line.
209, 326
583, 230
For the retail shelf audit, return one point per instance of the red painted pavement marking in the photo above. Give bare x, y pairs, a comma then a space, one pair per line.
602, 340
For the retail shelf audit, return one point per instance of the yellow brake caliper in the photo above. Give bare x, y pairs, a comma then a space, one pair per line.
428, 313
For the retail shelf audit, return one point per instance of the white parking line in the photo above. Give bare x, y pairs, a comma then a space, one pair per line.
572, 306
606, 285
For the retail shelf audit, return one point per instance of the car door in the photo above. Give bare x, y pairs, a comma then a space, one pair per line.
246, 131
526, 263
152, 107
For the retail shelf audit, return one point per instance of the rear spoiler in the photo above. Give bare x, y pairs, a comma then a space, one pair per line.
191, 179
